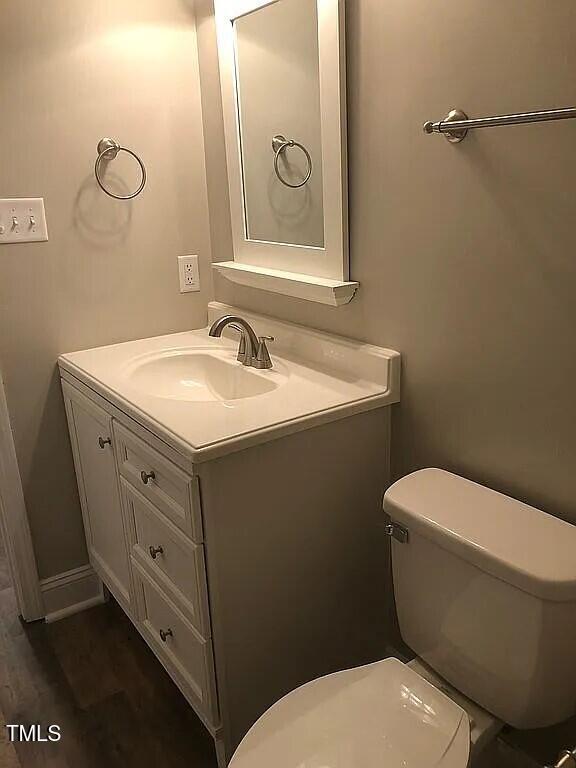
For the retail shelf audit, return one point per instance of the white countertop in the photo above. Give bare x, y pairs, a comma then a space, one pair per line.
319, 378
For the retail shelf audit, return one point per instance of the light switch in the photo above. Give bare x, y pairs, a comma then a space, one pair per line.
23, 220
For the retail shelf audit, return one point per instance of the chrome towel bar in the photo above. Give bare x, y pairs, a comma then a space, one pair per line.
566, 759
456, 124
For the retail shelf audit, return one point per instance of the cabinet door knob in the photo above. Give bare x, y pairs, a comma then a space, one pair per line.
165, 634
104, 441
147, 476
155, 551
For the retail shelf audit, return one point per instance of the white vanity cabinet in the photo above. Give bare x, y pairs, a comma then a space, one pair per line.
94, 459
249, 574
163, 516
243, 535
143, 525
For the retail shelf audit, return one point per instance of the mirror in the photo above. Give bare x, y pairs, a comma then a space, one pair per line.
278, 88
282, 72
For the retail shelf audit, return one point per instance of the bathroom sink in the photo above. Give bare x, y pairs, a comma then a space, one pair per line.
198, 375
204, 402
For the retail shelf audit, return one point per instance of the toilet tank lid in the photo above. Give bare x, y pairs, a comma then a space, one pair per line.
515, 542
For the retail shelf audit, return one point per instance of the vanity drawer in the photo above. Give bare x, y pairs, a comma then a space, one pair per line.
185, 654
158, 479
169, 557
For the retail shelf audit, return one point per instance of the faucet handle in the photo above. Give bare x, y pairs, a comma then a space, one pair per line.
262, 355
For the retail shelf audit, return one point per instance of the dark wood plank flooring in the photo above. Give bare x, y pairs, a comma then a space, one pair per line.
93, 675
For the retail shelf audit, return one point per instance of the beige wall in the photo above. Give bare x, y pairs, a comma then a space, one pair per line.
72, 72
466, 254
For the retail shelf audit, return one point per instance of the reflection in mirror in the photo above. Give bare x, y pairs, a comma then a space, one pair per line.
278, 90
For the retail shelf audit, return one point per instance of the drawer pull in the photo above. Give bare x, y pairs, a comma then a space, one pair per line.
165, 634
147, 476
155, 551
104, 441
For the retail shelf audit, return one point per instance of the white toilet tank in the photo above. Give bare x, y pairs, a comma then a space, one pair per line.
485, 591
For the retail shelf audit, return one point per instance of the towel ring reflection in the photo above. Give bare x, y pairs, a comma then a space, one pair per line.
108, 149
279, 145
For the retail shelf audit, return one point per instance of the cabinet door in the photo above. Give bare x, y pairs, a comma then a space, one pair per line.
93, 448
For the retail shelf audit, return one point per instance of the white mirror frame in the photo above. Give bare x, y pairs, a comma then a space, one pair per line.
316, 274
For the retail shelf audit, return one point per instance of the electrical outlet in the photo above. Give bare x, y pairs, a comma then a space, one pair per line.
189, 273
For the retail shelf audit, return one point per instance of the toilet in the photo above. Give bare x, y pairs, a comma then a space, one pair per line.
485, 589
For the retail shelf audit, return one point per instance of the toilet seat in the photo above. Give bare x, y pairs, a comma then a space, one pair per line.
383, 715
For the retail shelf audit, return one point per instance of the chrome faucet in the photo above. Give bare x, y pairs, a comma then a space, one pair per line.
252, 349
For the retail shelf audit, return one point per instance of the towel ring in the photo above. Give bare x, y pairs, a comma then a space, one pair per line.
109, 149
279, 145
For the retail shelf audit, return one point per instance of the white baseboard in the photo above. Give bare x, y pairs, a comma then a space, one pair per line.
71, 592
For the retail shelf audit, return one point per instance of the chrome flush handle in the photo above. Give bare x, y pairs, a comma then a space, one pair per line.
147, 476
165, 634
566, 759
104, 441
398, 532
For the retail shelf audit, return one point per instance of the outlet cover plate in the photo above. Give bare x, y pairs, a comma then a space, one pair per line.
189, 273
23, 220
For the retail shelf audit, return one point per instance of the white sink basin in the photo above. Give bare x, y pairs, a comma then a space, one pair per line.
204, 403
198, 375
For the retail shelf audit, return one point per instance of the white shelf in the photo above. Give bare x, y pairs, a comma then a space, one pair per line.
300, 286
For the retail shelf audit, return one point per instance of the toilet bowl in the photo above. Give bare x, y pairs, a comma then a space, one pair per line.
485, 589
383, 715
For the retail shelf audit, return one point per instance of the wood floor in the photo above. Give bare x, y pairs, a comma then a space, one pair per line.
94, 676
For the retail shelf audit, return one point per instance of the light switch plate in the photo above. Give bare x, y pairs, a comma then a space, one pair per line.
189, 273
23, 220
